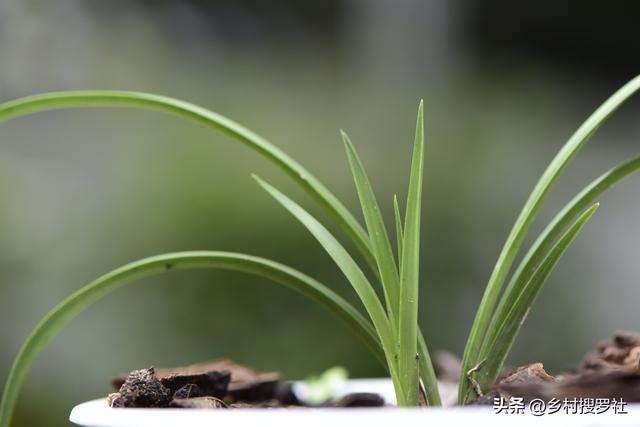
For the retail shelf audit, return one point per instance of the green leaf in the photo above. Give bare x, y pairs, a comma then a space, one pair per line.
377, 232
399, 233
524, 221
320, 388
427, 373
568, 214
352, 272
96, 290
75, 99
536, 253
510, 325
410, 272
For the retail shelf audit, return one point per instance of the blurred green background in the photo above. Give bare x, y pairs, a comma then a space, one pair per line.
82, 192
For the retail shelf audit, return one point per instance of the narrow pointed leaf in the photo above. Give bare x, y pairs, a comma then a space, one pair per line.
99, 288
75, 99
510, 325
410, 269
524, 221
427, 373
352, 272
538, 250
399, 233
377, 232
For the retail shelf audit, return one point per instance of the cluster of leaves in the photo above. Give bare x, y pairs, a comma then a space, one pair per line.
391, 330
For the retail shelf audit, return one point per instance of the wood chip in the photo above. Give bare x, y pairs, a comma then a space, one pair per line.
204, 402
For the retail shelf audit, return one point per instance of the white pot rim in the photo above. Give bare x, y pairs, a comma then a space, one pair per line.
96, 413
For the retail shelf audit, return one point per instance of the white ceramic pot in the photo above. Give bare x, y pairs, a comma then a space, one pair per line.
96, 413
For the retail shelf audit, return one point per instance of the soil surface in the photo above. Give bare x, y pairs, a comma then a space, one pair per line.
216, 384
612, 371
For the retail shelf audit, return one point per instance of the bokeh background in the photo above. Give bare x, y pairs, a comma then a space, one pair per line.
82, 192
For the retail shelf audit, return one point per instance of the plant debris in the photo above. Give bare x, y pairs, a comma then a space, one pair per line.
187, 391
612, 371
621, 352
358, 400
529, 374
215, 385
209, 383
203, 402
141, 389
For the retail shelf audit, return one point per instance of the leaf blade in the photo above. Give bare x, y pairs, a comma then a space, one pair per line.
524, 220
569, 213
399, 232
514, 318
351, 271
427, 373
66, 311
376, 230
308, 182
410, 271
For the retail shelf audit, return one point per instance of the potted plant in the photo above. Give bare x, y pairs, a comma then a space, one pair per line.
390, 325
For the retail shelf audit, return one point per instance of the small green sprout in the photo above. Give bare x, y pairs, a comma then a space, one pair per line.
321, 388
390, 327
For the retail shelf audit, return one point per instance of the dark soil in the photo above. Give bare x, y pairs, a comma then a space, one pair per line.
141, 390
216, 384
612, 371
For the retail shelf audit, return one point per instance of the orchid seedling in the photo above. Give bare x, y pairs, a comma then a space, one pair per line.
389, 324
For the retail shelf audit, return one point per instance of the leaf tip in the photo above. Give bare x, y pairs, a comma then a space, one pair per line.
345, 137
348, 145
420, 121
259, 180
586, 215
